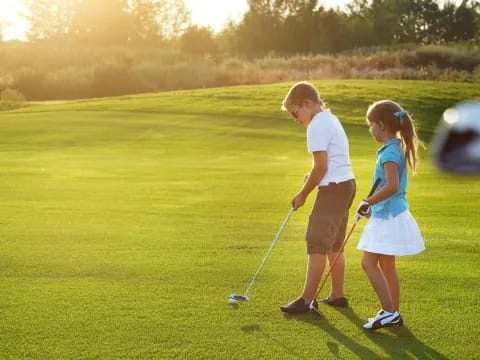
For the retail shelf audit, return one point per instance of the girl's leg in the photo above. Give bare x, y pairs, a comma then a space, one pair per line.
387, 264
378, 281
337, 275
316, 264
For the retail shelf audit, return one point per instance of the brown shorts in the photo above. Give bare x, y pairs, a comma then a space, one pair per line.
327, 224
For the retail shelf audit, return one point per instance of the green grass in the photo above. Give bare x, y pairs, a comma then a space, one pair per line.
127, 222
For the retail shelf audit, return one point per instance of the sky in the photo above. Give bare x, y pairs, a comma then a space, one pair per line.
213, 13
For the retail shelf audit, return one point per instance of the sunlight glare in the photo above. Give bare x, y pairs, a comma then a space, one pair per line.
13, 25
215, 13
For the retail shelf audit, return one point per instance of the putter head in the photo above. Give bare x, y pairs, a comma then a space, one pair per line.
314, 307
456, 145
239, 297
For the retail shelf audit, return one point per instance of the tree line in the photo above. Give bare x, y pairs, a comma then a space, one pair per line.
304, 26
280, 27
107, 21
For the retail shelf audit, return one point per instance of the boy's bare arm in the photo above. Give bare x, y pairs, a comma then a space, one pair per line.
316, 174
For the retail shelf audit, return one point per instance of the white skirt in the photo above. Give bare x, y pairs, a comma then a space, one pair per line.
395, 236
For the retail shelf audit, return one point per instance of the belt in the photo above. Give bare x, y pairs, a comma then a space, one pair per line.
340, 183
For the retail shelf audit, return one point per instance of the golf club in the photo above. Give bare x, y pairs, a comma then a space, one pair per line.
233, 298
311, 307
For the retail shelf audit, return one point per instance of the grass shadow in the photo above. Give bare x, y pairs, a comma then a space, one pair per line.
256, 328
398, 342
317, 320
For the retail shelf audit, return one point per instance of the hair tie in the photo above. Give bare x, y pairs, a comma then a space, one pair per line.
400, 115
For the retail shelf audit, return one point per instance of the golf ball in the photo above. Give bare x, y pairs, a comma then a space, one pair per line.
232, 301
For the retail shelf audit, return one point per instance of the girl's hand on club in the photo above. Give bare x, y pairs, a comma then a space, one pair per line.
364, 210
298, 201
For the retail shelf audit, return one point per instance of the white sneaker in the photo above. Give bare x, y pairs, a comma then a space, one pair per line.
384, 319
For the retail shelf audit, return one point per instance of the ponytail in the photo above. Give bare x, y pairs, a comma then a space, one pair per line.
410, 141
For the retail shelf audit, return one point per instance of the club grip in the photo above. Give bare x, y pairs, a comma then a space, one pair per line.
374, 187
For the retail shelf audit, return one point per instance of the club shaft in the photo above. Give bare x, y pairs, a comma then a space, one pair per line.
335, 260
374, 187
269, 250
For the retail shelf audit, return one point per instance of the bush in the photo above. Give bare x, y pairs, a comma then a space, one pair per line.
11, 99
73, 71
476, 74
447, 58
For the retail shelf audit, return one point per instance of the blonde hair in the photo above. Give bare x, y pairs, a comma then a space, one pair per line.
397, 120
299, 92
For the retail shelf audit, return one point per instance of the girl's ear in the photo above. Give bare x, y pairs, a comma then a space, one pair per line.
381, 125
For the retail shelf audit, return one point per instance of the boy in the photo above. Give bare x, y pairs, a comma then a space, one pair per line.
332, 174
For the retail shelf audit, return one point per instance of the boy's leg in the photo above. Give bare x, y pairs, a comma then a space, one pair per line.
327, 222
337, 275
318, 241
345, 199
387, 264
316, 265
317, 238
378, 281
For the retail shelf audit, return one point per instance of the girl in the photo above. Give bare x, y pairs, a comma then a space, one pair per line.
391, 230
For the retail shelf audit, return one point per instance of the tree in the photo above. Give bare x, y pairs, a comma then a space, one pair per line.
419, 22
259, 31
146, 26
107, 21
50, 19
267, 7
156, 19
467, 21
3, 25
359, 24
331, 31
198, 41
302, 26
429, 29
385, 18
447, 22
174, 17
227, 39
284, 26
299, 33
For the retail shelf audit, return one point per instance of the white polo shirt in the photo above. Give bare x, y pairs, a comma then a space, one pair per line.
326, 133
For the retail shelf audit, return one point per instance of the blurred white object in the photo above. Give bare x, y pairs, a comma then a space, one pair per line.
456, 144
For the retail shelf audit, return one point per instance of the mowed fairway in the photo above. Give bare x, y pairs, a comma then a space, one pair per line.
127, 222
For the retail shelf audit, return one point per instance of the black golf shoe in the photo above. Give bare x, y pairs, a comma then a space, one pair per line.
298, 306
337, 302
